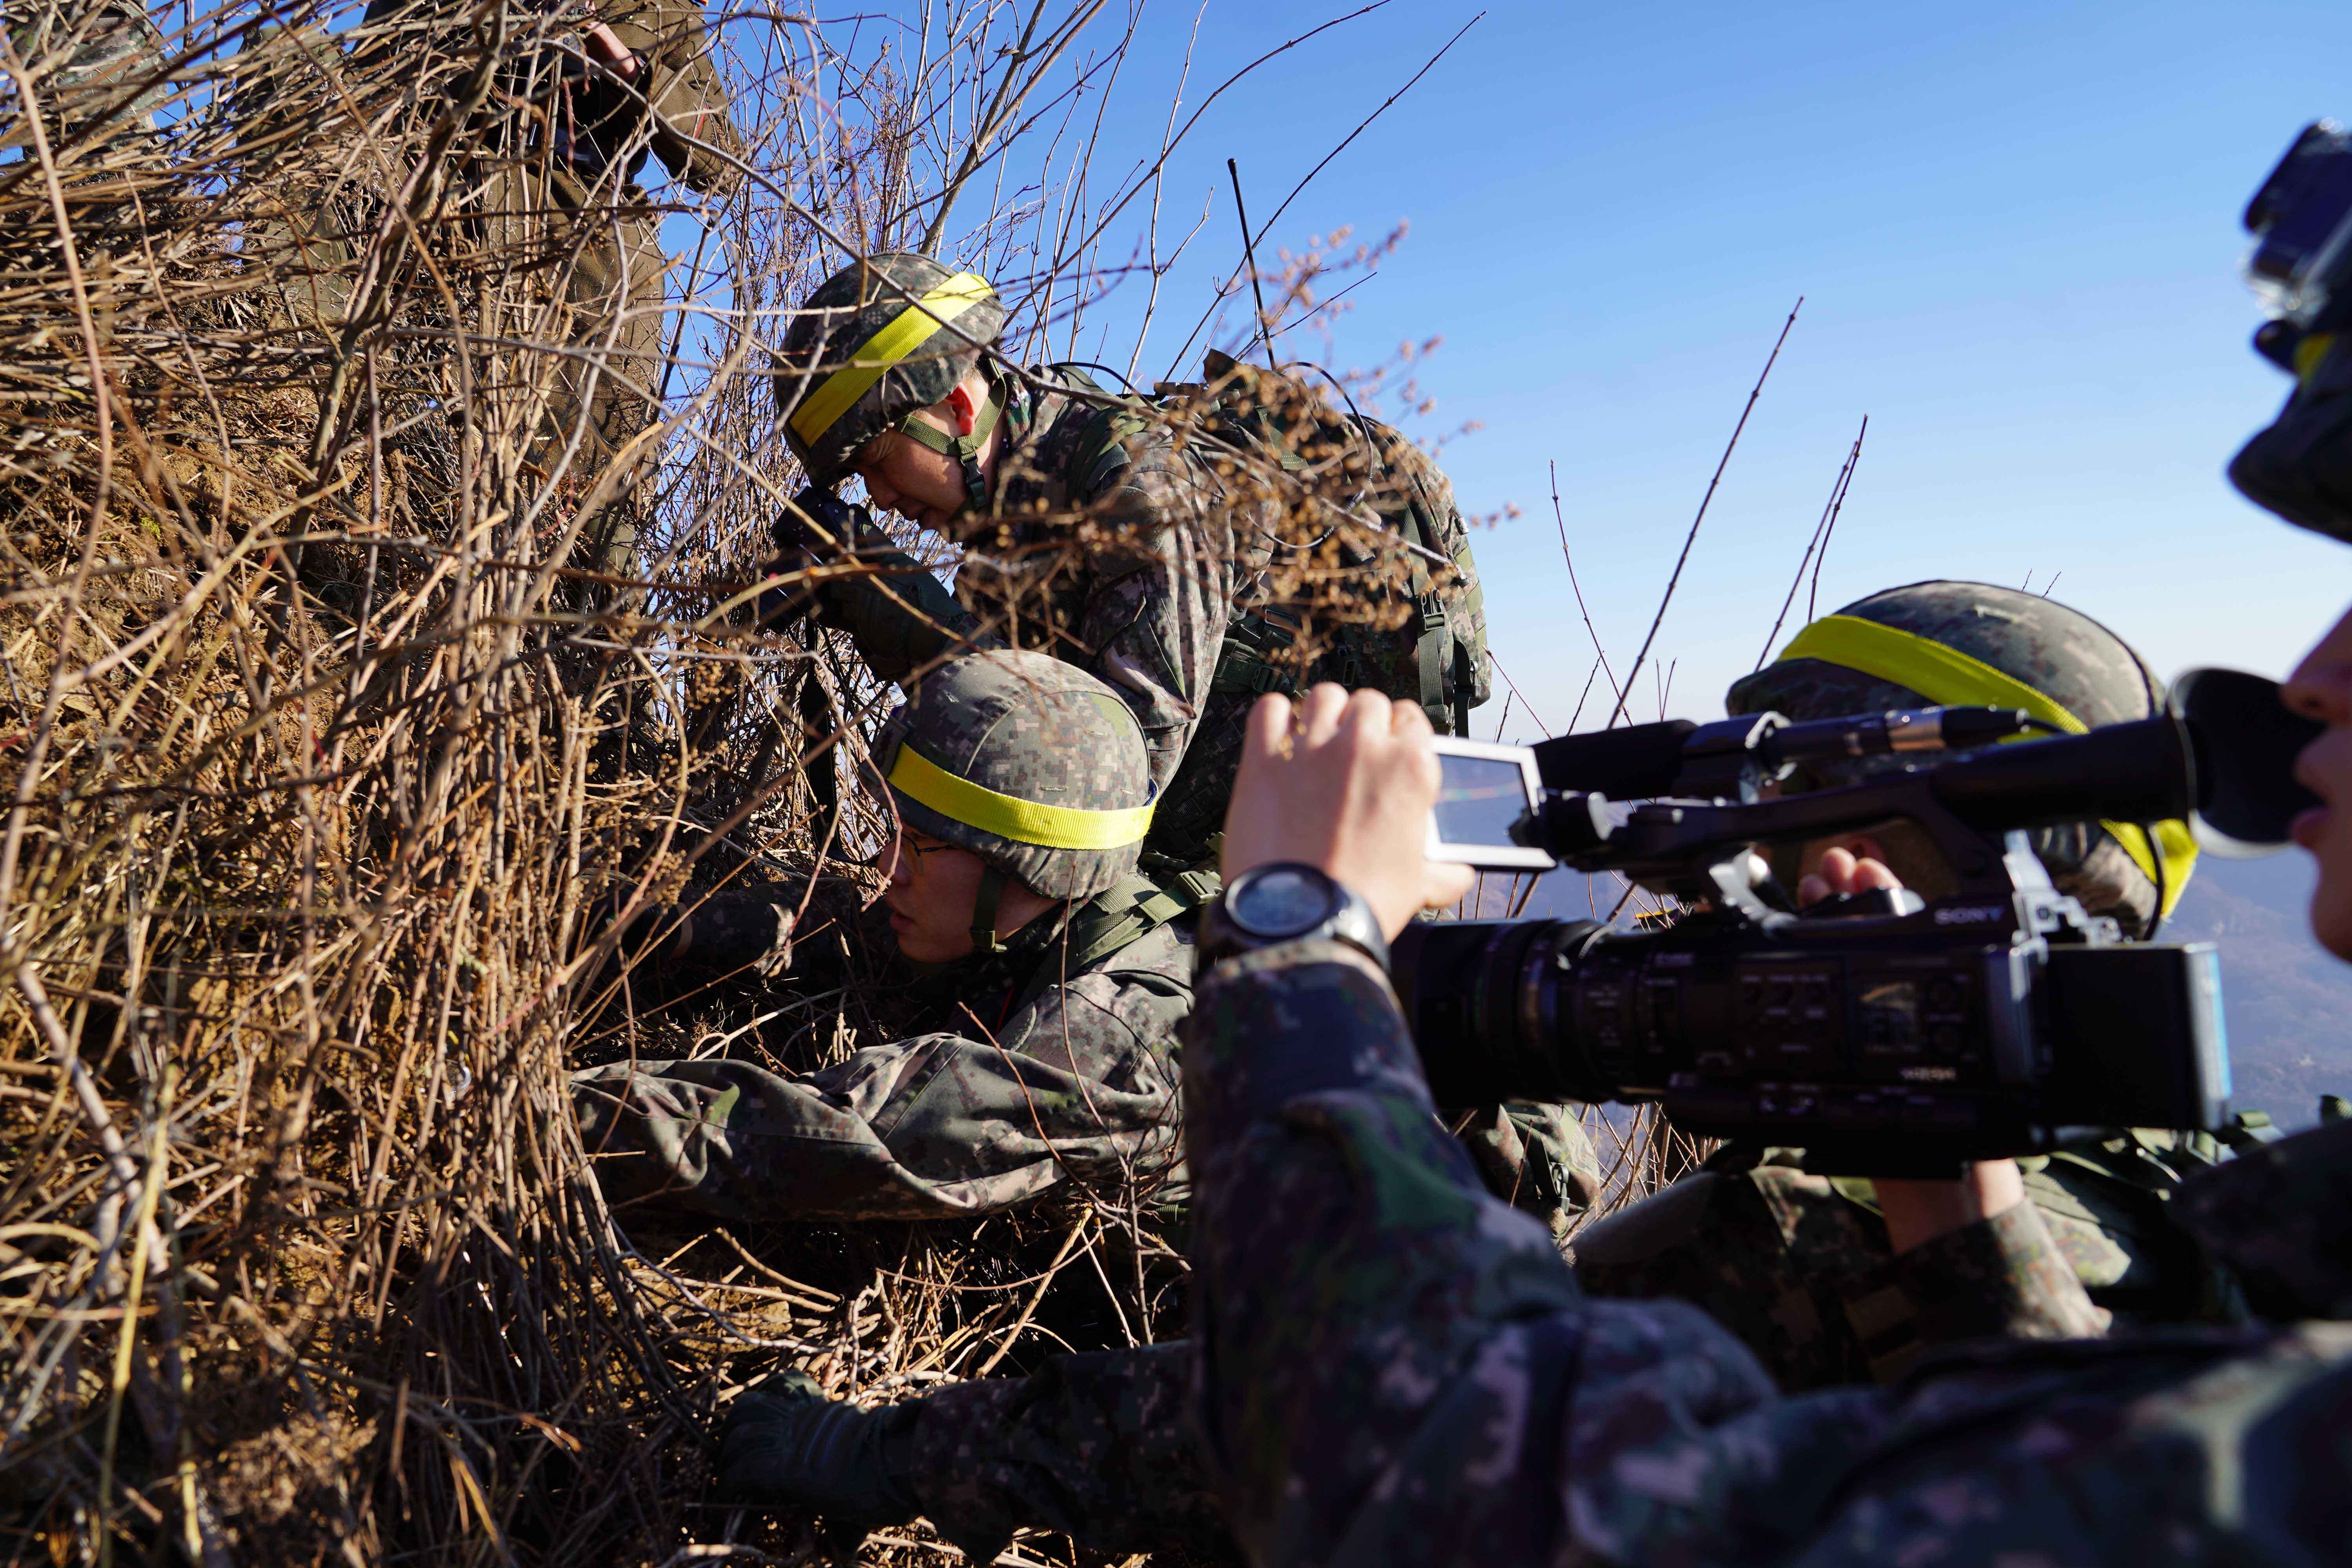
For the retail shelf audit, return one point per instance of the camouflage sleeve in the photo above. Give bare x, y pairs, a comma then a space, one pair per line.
1799, 1270
929, 1128
2110, 1205
694, 133
1160, 588
900, 615
1537, 1158
2000, 1277
1397, 1367
1098, 1446
2280, 1216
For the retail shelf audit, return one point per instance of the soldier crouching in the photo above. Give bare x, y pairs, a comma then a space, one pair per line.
1023, 793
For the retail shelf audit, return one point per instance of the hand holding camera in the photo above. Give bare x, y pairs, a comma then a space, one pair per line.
1345, 783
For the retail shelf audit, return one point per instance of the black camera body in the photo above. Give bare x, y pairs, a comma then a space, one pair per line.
1885, 1034
1881, 1043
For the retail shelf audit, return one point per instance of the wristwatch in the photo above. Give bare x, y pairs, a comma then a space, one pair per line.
1286, 902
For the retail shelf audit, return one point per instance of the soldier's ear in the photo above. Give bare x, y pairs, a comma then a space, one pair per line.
966, 409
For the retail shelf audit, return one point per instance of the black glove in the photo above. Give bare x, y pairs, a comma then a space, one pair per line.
792, 532
652, 930
786, 1445
799, 546
727, 932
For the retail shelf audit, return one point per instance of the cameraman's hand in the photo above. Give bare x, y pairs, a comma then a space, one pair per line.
1344, 784
1917, 1212
1840, 873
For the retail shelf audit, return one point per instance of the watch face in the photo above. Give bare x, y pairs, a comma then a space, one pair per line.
1283, 901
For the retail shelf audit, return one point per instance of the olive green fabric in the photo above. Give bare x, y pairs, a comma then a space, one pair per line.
549, 220
1001, 1093
92, 60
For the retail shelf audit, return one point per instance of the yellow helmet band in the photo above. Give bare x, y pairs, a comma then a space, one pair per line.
926, 782
909, 330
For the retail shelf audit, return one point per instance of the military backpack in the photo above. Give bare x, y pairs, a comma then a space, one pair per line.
1436, 657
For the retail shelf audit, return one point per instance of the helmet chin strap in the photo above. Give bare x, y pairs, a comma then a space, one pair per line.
983, 912
964, 449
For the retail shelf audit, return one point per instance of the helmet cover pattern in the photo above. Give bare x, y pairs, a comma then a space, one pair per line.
901, 323
1028, 729
2057, 650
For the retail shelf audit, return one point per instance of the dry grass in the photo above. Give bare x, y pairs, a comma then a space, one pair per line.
329, 723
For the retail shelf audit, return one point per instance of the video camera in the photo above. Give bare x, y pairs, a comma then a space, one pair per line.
2301, 219
1884, 1032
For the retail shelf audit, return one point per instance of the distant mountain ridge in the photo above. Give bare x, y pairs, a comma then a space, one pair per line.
2285, 998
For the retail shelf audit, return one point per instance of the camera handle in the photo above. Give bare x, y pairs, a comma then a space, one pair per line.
1975, 809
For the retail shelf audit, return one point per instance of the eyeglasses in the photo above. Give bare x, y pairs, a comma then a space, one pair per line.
909, 846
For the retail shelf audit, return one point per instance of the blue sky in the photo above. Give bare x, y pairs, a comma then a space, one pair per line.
2014, 227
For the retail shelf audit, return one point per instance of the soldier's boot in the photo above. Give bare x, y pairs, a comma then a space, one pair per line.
787, 1445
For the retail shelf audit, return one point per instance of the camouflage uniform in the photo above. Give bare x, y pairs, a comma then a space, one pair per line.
1436, 656
1144, 610
977, 1111
1113, 536
1798, 1267
1101, 1445
551, 196
2058, 652
86, 59
1795, 1265
1050, 1058
616, 289
1398, 1370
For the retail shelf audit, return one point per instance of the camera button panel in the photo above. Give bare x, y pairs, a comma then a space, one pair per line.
1790, 1019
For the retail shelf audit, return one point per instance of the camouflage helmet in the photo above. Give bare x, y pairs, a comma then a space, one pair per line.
1030, 763
1960, 643
877, 341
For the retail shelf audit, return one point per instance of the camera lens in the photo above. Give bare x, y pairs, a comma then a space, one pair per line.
1495, 1009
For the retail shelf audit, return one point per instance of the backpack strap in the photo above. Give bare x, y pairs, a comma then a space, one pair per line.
1432, 655
1245, 659
1438, 660
1102, 441
1133, 908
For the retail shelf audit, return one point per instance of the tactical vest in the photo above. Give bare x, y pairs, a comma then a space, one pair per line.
1130, 910
1437, 658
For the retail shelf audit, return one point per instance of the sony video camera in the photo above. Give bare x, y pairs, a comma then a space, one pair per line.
1886, 1034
